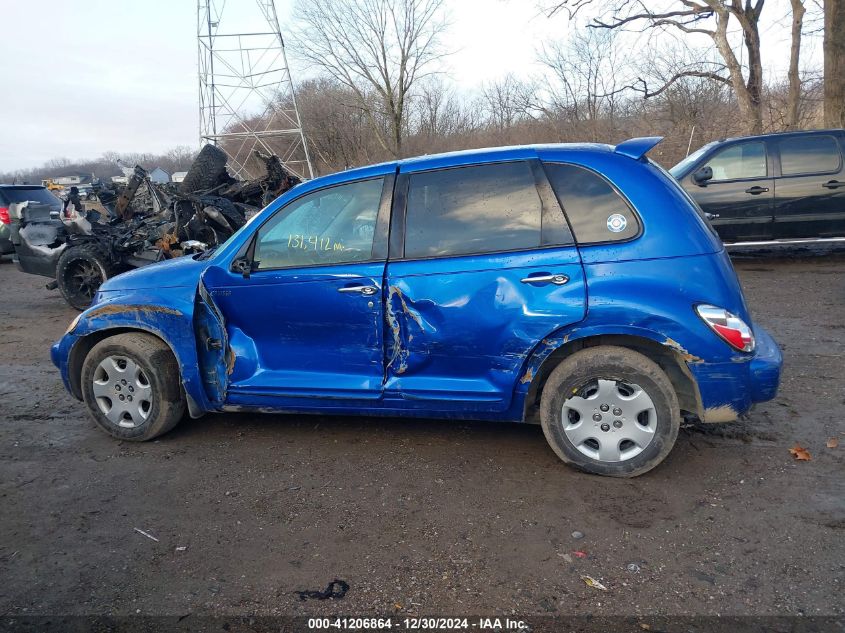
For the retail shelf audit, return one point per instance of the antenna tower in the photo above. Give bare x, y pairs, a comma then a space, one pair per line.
246, 96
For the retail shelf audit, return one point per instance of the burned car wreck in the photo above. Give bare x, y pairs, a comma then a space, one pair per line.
143, 222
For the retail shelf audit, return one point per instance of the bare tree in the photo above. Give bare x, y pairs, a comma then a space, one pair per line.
506, 101
336, 127
439, 113
588, 76
378, 49
698, 17
794, 97
834, 63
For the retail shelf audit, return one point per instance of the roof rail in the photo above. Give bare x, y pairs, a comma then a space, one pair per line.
637, 148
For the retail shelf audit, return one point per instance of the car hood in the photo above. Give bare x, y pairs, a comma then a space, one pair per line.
181, 272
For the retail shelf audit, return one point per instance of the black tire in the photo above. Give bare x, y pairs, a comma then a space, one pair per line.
80, 272
626, 367
206, 170
158, 366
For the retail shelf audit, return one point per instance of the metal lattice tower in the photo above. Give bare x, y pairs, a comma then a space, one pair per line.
246, 96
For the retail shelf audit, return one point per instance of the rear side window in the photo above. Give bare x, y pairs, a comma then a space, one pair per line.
479, 209
33, 195
595, 210
744, 160
808, 155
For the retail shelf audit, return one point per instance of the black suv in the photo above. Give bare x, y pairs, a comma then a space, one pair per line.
774, 186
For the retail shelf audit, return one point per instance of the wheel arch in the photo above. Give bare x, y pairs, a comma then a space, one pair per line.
81, 349
666, 354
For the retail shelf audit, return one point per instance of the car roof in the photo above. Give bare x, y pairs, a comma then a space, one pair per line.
779, 134
22, 186
493, 154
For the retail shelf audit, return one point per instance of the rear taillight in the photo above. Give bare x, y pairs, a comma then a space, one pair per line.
4, 216
729, 327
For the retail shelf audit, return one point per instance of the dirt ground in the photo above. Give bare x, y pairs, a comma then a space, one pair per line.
423, 517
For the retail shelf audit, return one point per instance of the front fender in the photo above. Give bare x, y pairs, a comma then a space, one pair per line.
144, 311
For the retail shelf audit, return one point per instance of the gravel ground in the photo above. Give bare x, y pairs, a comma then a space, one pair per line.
423, 517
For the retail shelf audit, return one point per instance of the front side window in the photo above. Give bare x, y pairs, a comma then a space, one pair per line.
808, 155
330, 226
745, 160
478, 209
595, 210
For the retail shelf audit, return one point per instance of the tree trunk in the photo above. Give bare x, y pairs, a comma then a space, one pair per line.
834, 63
755, 80
747, 92
794, 96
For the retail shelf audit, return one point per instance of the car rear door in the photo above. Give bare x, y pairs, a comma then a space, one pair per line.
810, 187
482, 267
740, 195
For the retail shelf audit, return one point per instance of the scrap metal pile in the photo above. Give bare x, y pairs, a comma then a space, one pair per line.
140, 223
149, 222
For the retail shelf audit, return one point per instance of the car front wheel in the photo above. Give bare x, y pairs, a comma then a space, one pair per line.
130, 383
610, 411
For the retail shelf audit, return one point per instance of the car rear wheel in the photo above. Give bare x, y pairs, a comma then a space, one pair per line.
80, 272
610, 411
130, 383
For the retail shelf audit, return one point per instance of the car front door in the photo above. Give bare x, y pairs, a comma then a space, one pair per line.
810, 191
487, 269
740, 195
305, 318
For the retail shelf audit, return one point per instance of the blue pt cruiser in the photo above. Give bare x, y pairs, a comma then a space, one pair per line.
577, 286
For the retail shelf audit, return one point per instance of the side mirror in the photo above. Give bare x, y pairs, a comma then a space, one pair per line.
243, 266
702, 175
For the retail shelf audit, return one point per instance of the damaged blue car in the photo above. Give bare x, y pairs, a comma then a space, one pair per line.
577, 286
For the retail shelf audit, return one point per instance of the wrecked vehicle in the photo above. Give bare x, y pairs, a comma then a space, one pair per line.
574, 285
15, 197
144, 222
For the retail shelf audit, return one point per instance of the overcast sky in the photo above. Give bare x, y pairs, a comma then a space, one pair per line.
83, 77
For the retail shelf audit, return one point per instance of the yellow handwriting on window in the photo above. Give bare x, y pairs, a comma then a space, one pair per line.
314, 243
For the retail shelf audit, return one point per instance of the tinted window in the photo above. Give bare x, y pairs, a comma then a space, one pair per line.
745, 160
42, 196
595, 210
481, 209
330, 226
808, 154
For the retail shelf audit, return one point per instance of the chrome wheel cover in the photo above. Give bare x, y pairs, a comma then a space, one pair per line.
609, 420
123, 391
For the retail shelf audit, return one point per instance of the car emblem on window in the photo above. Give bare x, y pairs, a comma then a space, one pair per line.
616, 223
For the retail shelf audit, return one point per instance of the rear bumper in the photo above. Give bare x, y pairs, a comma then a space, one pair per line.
729, 389
765, 368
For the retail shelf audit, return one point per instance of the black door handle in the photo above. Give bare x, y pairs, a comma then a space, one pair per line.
833, 184
756, 191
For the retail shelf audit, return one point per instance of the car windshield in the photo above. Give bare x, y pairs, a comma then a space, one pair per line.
15, 195
678, 170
